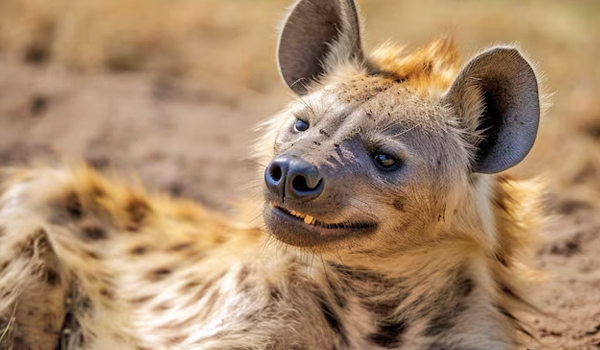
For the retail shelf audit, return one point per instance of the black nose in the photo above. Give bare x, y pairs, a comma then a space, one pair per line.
292, 177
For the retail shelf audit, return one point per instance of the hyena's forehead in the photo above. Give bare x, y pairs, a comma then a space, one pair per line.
378, 102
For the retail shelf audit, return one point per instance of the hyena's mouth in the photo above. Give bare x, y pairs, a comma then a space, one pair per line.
309, 220
300, 229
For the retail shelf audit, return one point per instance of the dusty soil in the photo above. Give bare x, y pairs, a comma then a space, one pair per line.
170, 103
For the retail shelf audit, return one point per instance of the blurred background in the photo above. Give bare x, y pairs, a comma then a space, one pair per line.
171, 90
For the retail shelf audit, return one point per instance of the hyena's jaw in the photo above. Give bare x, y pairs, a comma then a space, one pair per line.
303, 230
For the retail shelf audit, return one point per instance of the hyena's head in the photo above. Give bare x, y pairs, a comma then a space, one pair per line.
380, 151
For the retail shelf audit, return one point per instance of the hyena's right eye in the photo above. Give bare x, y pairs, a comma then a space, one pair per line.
301, 125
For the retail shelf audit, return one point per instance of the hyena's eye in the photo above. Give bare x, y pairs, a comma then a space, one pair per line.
384, 160
301, 125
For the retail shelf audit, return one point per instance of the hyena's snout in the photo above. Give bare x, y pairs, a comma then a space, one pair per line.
291, 177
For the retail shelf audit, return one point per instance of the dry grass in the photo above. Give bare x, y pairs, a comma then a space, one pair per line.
234, 41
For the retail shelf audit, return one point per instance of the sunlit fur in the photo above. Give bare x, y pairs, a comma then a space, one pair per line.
91, 263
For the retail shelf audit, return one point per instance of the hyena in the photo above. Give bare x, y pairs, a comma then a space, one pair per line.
384, 226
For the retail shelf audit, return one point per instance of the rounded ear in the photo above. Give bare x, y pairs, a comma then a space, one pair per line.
317, 34
496, 95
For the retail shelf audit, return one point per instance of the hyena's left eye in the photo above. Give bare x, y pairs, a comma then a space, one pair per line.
384, 160
301, 125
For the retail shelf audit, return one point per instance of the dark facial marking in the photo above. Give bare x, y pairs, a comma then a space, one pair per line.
94, 233
323, 132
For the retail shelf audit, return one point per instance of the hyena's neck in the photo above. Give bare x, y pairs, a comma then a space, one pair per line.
423, 297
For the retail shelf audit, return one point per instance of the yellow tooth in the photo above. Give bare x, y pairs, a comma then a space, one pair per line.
309, 219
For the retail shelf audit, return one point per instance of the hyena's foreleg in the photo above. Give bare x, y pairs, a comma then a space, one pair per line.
34, 287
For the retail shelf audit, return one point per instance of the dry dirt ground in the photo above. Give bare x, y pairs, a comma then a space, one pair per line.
170, 92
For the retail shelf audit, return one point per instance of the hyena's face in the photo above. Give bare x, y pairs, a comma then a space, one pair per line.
378, 151
364, 163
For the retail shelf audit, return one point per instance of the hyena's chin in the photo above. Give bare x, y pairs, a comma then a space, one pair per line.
303, 230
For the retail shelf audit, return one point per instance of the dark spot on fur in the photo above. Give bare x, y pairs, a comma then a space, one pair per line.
399, 204
159, 274
450, 304
336, 145
97, 191
323, 132
141, 250
98, 162
243, 274
92, 255
161, 307
176, 340
443, 321
332, 318
4, 265
28, 247
465, 285
181, 246
38, 105
338, 295
505, 312
19, 343
500, 258
442, 347
138, 211
275, 293
52, 277
73, 206
106, 293
388, 334
189, 286
94, 233
141, 300
317, 143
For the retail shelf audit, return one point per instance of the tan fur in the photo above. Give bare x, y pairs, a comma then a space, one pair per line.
90, 263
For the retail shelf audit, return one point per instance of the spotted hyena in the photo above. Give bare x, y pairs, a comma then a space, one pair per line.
384, 226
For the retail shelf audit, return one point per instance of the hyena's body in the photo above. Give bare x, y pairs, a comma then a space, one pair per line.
418, 251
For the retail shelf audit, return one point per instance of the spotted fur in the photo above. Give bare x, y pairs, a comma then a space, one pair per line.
88, 262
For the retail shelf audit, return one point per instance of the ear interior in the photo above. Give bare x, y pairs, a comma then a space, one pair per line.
496, 94
317, 33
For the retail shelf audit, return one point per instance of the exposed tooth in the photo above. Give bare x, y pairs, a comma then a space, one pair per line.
309, 219
271, 205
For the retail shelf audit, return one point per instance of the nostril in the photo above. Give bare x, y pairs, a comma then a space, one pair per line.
275, 172
299, 184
